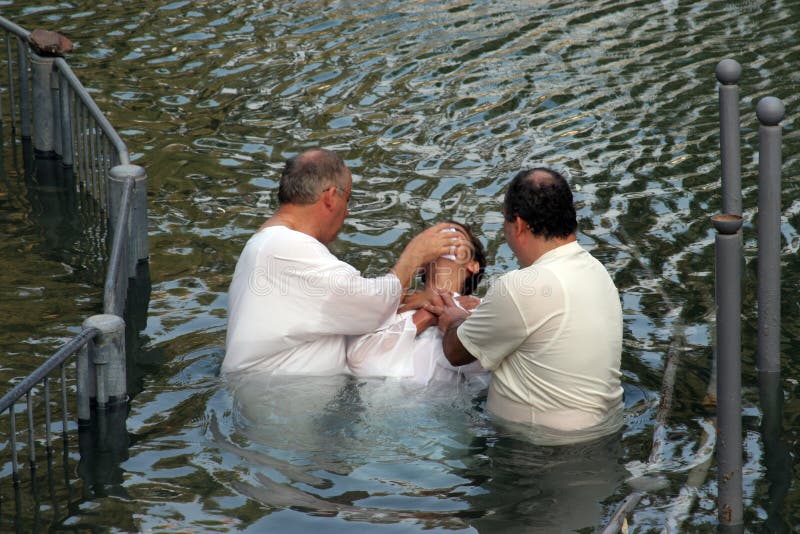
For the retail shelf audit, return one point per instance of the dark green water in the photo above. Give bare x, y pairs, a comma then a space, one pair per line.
434, 105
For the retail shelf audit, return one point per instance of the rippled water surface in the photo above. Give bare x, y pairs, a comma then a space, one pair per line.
434, 105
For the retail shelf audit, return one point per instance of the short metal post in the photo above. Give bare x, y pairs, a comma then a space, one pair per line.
87, 387
138, 221
728, 73
729, 380
770, 112
109, 358
43, 124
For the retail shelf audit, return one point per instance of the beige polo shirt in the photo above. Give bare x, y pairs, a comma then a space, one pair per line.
552, 335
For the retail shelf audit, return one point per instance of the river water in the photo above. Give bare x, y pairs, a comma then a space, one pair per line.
434, 105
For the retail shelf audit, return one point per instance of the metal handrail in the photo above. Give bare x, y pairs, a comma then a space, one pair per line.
65, 121
73, 346
13, 28
97, 115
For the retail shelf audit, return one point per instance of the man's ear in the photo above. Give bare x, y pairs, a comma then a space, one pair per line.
327, 197
519, 226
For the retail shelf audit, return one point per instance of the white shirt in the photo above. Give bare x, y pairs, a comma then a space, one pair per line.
291, 303
552, 335
397, 351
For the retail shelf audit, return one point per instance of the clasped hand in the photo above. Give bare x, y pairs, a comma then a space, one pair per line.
438, 308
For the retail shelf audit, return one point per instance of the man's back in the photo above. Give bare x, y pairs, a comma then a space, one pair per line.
552, 334
291, 302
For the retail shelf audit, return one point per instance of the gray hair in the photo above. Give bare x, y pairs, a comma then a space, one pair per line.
308, 174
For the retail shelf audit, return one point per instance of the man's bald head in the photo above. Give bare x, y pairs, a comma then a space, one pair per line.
542, 198
309, 173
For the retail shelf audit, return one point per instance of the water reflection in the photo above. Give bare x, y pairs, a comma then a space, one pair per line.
388, 451
434, 106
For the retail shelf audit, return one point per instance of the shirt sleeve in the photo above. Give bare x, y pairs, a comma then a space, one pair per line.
496, 327
351, 304
386, 352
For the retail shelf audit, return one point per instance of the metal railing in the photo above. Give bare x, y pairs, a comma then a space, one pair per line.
51, 110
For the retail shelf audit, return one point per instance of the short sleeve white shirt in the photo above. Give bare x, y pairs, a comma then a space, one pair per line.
291, 303
552, 335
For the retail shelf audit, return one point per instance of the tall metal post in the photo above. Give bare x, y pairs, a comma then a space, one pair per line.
728, 73
43, 123
729, 381
770, 112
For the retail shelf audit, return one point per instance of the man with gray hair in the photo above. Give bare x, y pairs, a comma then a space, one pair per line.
291, 302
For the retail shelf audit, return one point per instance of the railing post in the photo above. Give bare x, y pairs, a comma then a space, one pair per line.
770, 112
87, 387
729, 380
43, 118
728, 73
104, 366
138, 221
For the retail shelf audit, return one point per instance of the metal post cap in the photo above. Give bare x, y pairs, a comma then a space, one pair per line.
123, 171
728, 71
770, 111
726, 224
105, 323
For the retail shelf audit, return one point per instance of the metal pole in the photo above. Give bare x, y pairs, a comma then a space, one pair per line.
11, 85
728, 73
109, 359
87, 389
67, 149
729, 380
138, 220
24, 89
770, 112
55, 95
43, 127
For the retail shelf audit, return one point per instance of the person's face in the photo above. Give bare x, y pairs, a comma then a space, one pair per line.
446, 274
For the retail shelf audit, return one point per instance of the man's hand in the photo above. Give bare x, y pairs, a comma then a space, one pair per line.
468, 302
448, 314
418, 299
436, 241
426, 247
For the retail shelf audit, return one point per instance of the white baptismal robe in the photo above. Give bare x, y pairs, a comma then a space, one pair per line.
291, 303
397, 351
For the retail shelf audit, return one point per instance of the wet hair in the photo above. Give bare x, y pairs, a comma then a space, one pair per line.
477, 254
306, 175
543, 199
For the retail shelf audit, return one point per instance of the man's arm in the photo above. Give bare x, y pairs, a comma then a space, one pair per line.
454, 350
450, 318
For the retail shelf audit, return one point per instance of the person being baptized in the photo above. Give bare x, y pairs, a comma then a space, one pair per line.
408, 347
